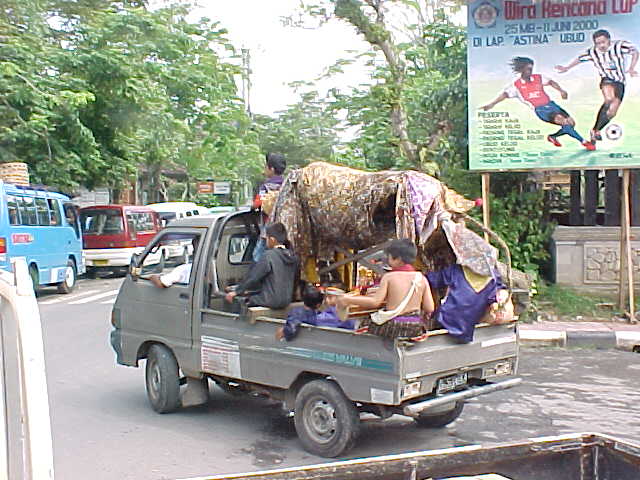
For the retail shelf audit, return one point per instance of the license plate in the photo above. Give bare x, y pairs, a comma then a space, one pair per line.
451, 383
100, 263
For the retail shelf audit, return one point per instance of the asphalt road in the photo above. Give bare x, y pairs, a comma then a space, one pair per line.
103, 427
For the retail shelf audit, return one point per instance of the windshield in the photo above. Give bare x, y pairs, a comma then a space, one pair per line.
104, 221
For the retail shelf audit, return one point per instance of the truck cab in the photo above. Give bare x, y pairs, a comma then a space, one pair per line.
326, 377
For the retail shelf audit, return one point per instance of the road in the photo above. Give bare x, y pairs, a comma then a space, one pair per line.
104, 429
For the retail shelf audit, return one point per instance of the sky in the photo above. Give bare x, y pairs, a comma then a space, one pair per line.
280, 54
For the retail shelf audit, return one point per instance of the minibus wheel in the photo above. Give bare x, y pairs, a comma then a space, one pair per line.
69, 282
35, 277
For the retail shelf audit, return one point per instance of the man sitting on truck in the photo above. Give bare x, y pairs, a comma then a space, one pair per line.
271, 280
405, 292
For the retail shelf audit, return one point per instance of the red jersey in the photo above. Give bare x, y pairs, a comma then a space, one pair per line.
531, 92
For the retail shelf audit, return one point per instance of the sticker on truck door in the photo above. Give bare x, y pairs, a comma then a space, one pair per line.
220, 356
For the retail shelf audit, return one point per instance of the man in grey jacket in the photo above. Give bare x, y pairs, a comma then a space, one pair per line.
270, 282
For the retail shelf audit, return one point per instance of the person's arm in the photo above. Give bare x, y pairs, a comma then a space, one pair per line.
373, 301
556, 85
428, 305
253, 280
564, 69
500, 98
155, 279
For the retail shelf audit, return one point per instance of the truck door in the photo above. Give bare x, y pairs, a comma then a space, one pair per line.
165, 310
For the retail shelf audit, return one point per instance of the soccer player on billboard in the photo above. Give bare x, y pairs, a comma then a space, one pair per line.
609, 60
529, 89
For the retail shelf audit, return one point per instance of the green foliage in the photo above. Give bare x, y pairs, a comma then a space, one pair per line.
92, 92
517, 218
306, 130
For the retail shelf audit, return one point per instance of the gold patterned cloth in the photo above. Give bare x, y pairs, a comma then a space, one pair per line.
326, 207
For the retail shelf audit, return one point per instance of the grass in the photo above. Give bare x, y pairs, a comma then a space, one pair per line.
565, 301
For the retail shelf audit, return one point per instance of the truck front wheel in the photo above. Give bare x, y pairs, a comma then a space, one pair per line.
326, 421
162, 379
437, 420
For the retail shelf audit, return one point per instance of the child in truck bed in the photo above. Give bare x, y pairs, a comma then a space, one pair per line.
309, 313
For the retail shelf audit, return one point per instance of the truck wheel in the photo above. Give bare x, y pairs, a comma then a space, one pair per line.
162, 379
436, 420
69, 282
326, 421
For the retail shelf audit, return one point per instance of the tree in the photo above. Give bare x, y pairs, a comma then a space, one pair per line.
305, 131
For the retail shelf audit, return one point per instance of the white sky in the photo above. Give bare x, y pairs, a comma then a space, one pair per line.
279, 54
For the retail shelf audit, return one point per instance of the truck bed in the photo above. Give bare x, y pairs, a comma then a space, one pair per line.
587, 456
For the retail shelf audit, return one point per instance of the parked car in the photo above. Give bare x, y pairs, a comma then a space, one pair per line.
113, 233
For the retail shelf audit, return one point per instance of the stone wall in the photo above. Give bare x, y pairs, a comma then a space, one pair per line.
588, 258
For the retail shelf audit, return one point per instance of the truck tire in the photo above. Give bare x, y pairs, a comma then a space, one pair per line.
326, 421
162, 379
437, 420
70, 277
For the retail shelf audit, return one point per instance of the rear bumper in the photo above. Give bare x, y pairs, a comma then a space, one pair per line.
109, 257
414, 409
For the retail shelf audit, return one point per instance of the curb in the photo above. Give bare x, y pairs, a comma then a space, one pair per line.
621, 340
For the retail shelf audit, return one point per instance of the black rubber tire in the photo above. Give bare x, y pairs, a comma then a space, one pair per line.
35, 277
162, 379
439, 420
92, 273
69, 284
326, 421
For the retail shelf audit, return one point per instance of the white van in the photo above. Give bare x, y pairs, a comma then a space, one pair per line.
168, 211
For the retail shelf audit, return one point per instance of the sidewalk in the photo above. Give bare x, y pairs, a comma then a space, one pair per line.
623, 336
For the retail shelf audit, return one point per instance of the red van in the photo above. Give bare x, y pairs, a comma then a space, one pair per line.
111, 234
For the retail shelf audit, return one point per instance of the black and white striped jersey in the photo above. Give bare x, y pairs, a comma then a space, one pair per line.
610, 64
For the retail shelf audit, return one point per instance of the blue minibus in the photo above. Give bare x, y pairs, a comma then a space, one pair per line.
43, 228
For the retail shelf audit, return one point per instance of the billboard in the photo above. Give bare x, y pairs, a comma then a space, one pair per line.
553, 84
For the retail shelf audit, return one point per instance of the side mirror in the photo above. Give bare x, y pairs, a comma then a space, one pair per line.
134, 269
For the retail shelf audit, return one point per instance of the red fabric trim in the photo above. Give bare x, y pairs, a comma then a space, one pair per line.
404, 268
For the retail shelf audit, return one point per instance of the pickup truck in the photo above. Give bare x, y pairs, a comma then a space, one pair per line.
325, 377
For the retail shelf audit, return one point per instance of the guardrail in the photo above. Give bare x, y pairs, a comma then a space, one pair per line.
26, 451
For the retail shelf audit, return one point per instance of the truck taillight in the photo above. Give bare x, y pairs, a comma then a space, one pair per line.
3, 245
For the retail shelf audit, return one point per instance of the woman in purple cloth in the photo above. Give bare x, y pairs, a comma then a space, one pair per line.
469, 295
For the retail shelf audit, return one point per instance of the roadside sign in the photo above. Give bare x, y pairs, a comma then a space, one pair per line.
221, 188
547, 78
205, 187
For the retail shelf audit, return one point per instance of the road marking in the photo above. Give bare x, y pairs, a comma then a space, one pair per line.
94, 297
64, 298
109, 302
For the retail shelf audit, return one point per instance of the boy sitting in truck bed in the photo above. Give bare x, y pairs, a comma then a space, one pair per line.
309, 314
270, 281
394, 289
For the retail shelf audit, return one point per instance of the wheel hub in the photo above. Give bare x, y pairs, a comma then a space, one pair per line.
70, 277
321, 420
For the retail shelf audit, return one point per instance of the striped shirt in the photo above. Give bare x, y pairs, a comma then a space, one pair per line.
610, 64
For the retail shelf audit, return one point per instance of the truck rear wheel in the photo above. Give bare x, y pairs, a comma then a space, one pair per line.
326, 421
162, 379
437, 420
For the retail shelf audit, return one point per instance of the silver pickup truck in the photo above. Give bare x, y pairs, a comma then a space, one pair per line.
325, 377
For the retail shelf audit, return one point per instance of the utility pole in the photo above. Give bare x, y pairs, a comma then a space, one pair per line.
246, 79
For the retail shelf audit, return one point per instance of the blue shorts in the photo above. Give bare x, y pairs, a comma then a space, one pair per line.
550, 110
